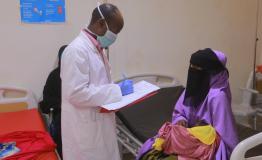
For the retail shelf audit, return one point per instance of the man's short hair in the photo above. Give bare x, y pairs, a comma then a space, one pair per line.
108, 10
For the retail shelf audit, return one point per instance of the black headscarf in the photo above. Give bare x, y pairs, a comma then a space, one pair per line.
203, 64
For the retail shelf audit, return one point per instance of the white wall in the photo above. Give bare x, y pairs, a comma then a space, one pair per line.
158, 37
29, 51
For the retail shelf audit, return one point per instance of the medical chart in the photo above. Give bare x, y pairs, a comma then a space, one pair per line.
141, 90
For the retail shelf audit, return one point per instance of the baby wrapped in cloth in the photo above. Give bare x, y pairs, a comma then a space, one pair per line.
175, 142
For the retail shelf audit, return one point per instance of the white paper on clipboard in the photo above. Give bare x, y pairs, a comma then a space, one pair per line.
141, 89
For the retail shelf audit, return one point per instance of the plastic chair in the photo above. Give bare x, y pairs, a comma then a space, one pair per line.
257, 101
16, 99
255, 96
245, 108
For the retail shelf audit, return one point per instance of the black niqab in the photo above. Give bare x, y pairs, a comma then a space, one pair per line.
198, 80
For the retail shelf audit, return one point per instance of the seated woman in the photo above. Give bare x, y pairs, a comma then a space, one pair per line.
52, 99
206, 101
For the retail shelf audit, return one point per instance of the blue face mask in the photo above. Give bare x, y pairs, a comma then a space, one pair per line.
109, 37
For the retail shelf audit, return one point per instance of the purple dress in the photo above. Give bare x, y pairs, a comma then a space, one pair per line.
214, 110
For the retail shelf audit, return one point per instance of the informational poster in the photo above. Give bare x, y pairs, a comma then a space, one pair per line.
42, 11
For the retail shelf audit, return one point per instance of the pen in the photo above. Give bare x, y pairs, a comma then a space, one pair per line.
124, 77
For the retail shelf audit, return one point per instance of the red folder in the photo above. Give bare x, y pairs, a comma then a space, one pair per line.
103, 110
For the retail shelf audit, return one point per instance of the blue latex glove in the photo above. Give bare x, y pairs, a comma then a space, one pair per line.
126, 87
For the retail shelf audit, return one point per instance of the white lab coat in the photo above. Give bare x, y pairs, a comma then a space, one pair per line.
86, 133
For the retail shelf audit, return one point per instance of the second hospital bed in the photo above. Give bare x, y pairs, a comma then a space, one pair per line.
26, 120
142, 120
18, 112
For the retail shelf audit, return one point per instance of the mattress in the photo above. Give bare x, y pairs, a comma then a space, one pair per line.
27, 120
144, 118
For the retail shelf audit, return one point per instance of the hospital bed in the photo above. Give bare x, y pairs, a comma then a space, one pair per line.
27, 120
242, 148
18, 112
131, 137
16, 99
141, 121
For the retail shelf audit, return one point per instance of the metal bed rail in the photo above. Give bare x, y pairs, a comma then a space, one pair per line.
127, 140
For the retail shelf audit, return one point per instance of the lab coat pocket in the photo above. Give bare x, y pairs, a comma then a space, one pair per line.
87, 115
87, 135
